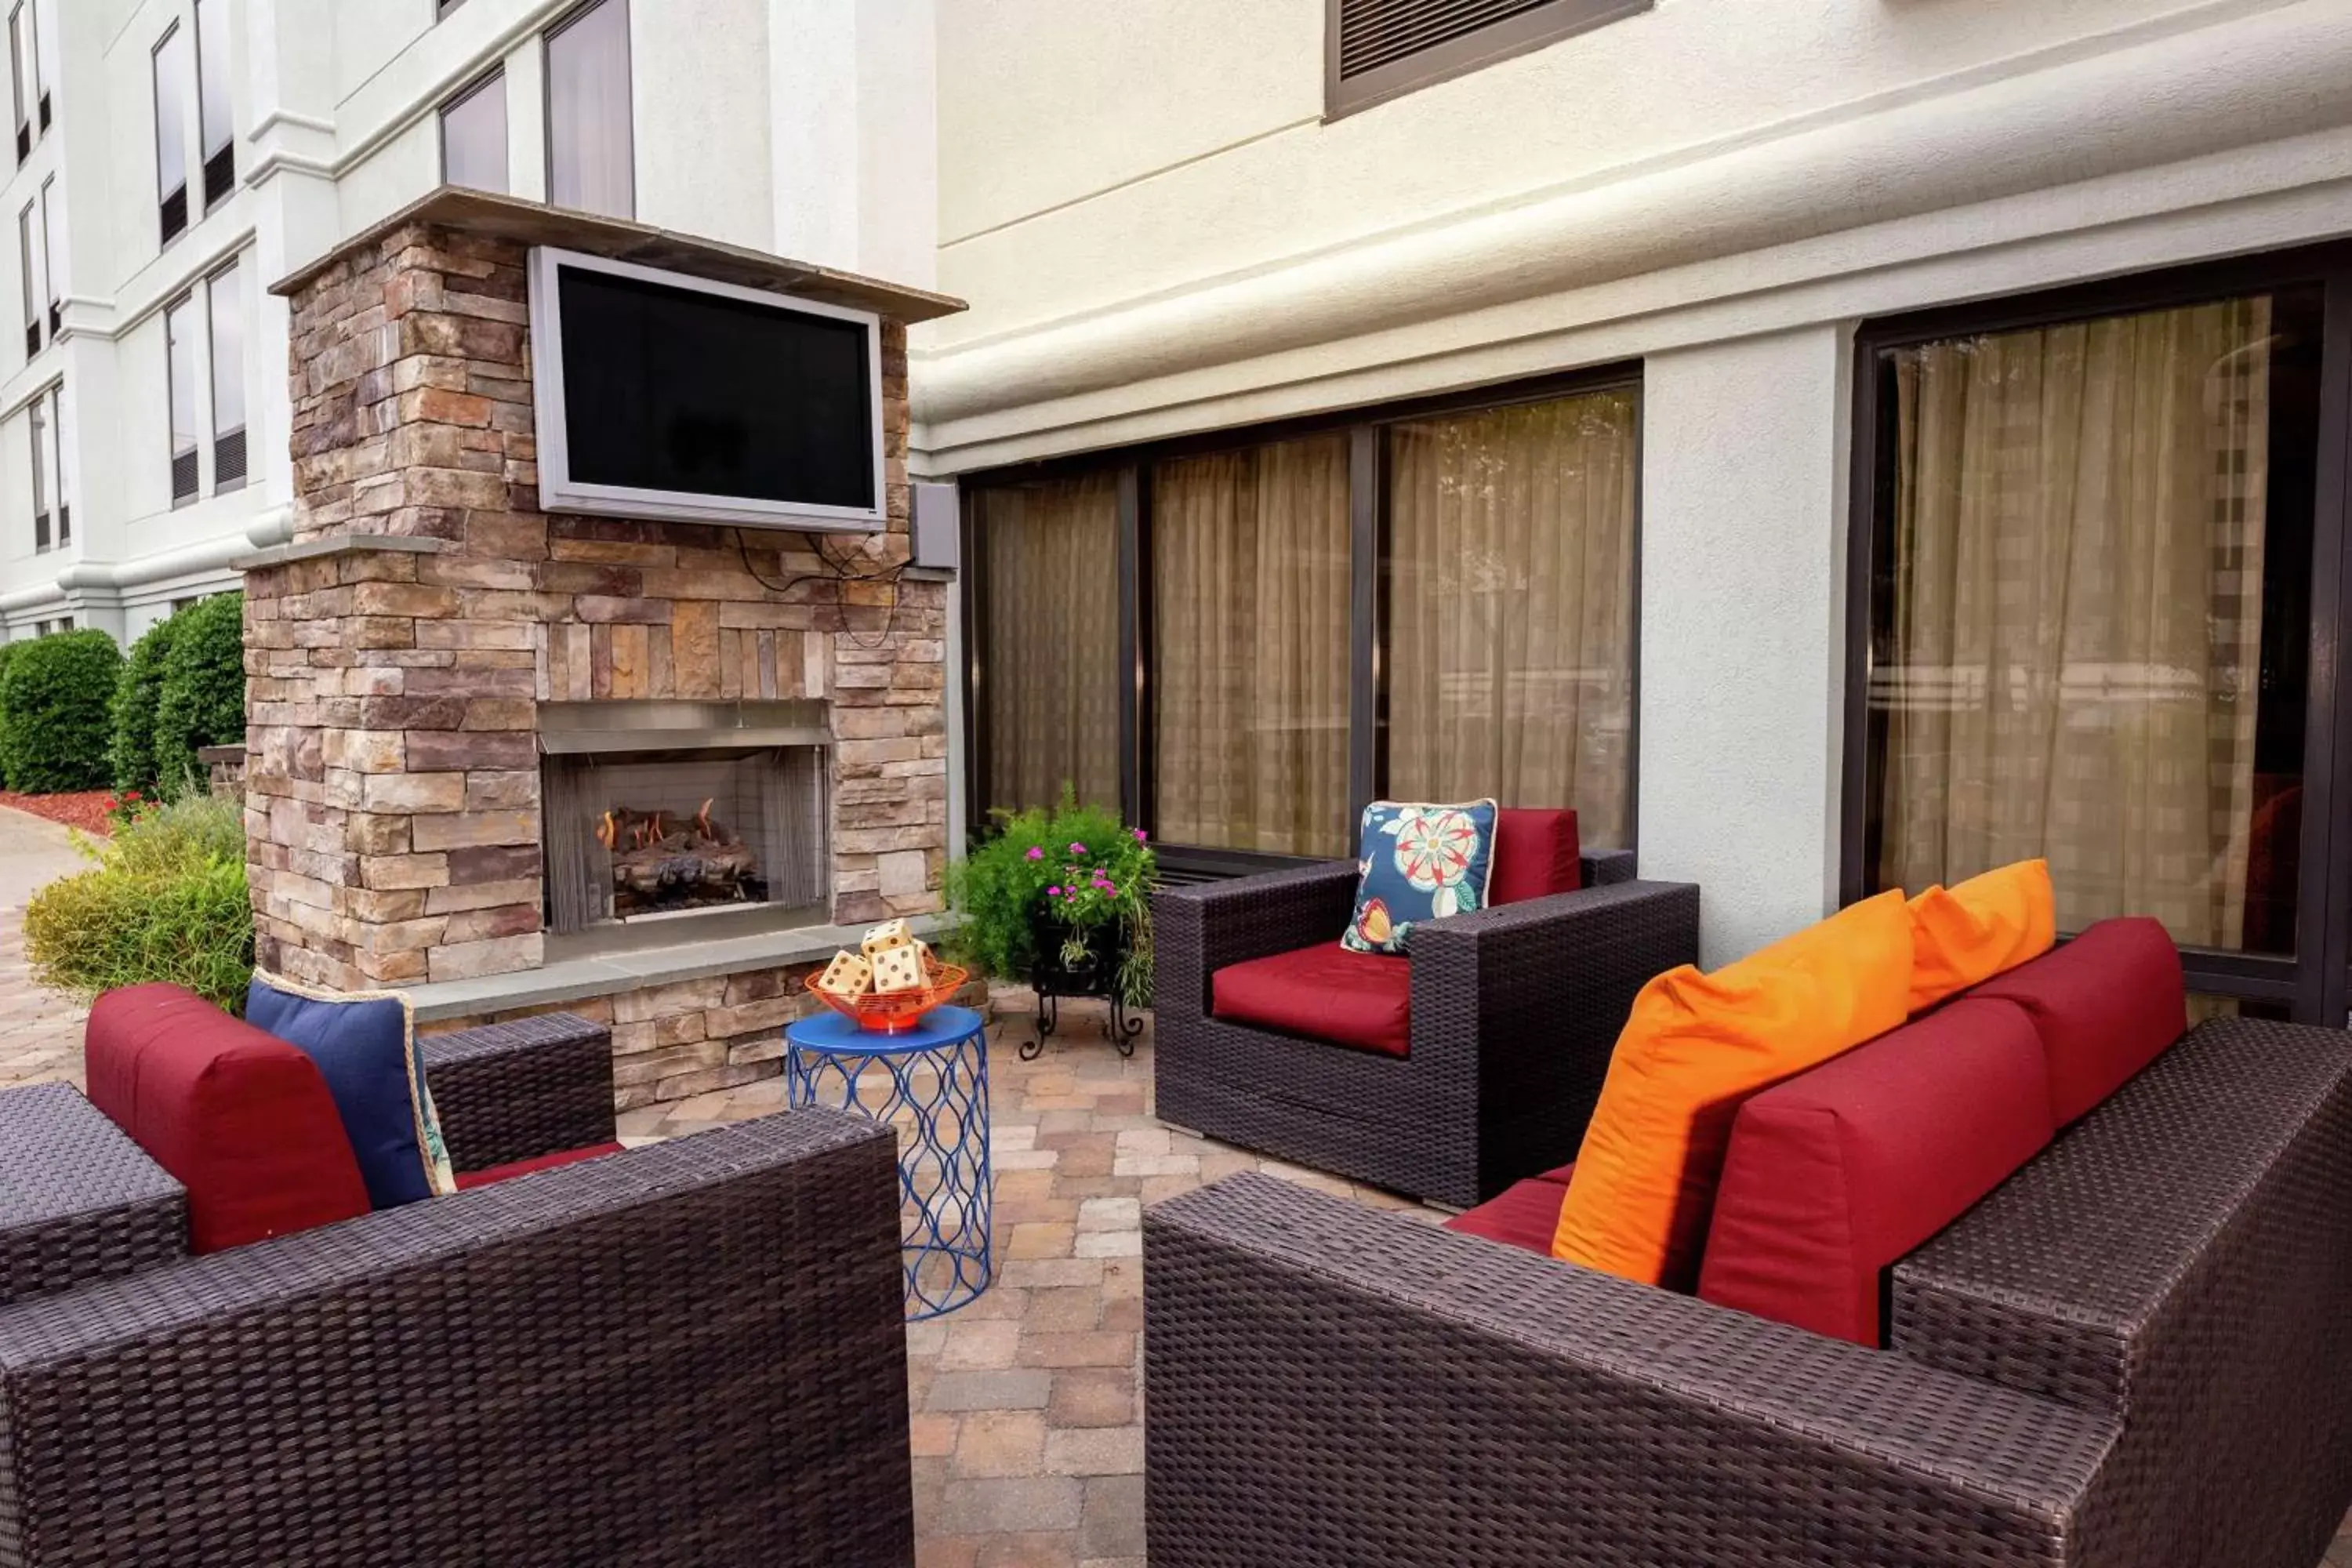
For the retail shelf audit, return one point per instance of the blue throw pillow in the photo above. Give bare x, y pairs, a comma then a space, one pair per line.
1418, 863
365, 1046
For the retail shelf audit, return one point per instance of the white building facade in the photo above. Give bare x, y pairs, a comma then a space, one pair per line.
178, 156
1833, 444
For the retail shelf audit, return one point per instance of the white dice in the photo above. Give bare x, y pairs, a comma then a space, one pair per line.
847, 975
888, 935
898, 969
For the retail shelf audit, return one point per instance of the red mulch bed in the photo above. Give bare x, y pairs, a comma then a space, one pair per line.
85, 809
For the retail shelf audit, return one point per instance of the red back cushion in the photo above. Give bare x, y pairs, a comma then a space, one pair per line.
240, 1117
2105, 1006
1536, 855
1839, 1172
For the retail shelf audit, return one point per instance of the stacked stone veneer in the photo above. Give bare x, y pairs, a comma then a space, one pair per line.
393, 791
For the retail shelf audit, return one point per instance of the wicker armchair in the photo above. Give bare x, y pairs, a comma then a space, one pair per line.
690, 1353
1514, 1012
2136, 1353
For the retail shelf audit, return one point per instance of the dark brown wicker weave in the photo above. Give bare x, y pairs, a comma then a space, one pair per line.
2137, 1353
686, 1355
79, 1201
1515, 1010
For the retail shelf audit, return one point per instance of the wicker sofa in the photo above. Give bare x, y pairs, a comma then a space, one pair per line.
690, 1353
2136, 1352
1513, 1010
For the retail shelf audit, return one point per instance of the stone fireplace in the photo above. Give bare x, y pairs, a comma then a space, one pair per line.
509, 760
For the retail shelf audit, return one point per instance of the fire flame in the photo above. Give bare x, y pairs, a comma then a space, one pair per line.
608, 833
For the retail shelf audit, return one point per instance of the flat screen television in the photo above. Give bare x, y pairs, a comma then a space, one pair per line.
661, 395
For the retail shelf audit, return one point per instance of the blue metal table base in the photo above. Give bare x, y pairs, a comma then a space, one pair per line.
932, 1084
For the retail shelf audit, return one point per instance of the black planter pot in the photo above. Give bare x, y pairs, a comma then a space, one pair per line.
1095, 975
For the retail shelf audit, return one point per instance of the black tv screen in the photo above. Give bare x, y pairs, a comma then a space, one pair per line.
706, 400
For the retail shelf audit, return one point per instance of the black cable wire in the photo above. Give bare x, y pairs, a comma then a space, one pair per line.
838, 574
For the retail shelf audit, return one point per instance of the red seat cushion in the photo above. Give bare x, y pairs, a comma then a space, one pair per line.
1536, 855
242, 1120
1837, 1174
1324, 993
1523, 1215
512, 1168
2106, 1005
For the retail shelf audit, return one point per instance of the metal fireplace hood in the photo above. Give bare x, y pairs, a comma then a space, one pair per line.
569, 729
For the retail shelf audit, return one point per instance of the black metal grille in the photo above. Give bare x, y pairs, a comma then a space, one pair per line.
32, 337
220, 175
41, 531
44, 111
175, 214
24, 142
228, 460
183, 475
56, 316
65, 525
1374, 33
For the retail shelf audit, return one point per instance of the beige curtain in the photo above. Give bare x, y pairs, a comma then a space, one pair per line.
1049, 651
2075, 647
1249, 584
1511, 608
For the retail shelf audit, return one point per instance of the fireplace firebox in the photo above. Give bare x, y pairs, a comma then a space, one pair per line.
655, 813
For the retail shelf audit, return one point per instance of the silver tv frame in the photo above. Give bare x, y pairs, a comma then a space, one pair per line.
559, 492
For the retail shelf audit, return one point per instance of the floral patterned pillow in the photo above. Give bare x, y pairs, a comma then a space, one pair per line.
1418, 863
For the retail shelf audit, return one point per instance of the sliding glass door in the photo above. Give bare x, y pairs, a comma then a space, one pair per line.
2099, 571
1431, 601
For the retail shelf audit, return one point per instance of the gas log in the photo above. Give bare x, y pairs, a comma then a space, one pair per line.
664, 858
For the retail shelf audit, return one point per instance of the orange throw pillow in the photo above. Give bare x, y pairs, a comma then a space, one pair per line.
1965, 935
1695, 1048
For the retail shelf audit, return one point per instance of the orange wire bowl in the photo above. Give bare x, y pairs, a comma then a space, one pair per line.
900, 1010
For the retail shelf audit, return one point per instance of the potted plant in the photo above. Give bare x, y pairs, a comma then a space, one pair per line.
1061, 899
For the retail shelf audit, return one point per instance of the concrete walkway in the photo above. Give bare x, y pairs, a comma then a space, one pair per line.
40, 1034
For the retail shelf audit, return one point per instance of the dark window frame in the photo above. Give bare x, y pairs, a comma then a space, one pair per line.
547, 38
171, 204
1369, 501
1547, 23
2316, 982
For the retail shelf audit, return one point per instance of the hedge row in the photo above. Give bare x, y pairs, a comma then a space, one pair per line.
76, 715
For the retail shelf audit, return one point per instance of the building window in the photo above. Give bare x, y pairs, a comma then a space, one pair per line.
180, 353
31, 256
1375, 50
473, 136
2085, 550
38, 422
21, 67
171, 64
589, 148
1429, 602
444, 6
61, 470
53, 271
1510, 607
46, 55
214, 127
1049, 648
225, 317
1249, 621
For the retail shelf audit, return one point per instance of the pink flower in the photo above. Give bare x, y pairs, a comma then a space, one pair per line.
1077, 849
1053, 892
1036, 852
1141, 836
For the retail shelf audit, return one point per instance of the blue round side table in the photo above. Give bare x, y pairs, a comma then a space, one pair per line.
930, 1083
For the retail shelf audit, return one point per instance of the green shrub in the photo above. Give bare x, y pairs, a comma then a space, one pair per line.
134, 711
1078, 864
202, 700
53, 712
166, 902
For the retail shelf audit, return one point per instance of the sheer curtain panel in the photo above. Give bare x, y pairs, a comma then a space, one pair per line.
1510, 581
1250, 590
1049, 645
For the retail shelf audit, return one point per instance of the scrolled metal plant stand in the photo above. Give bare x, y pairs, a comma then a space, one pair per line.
1096, 978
